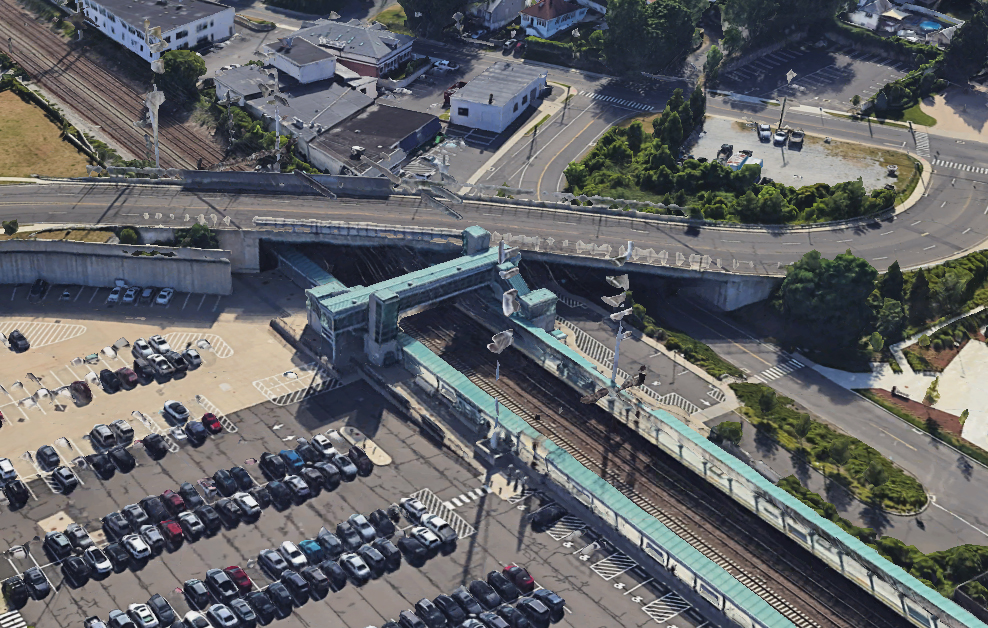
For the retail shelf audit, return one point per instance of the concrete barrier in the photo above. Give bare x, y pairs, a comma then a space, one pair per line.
94, 264
278, 183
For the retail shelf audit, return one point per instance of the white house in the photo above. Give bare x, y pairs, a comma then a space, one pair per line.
547, 17
494, 14
183, 23
368, 50
303, 61
496, 97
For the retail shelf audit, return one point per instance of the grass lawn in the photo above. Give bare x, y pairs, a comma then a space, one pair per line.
394, 19
913, 114
30, 143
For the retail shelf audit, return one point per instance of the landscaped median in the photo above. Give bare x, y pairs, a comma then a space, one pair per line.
869, 476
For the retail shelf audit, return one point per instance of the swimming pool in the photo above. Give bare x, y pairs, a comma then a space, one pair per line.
930, 25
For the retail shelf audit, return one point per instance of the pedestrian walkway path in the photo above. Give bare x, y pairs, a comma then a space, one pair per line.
957, 166
615, 101
922, 144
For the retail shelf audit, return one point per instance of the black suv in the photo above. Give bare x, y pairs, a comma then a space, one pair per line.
281, 497
108, 379
191, 496
116, 526
16, 493
154, 508
225, 484
47, 458
272, 466
296, 585
57, 546
122, 459
178, 361
155, 446
18, 342
16, 592
242, 478
210, 520
65, 479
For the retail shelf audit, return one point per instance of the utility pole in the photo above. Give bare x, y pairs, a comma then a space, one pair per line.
782, 115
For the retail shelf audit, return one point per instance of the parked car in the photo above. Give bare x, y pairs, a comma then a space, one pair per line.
355, 568
97, 562
122, 459
547, 516
467, 601
141, 349
374, 559
346, 467
520, 577
415, 551
503, 586
154, 509
440, 528
250, 512
281, 599
119, 556
57, 545
81, 393
65, 480
211, 423
299, 489
324, 446
7, 471
192, 527
114, 296
175, 411
144, 369
330, 474
127, 377
130, 296
413, 509
37, 584
16, 592
162, 610
155, 446
330, 543
147, 295
349, 536
296, 585
47, 458
142, 616
239, 578
262, 496
161, 366
78, 537
153, 538
135, 516
221, 586
173, 533
18, 342
485, 594
108, 380
242, 478
430, 614
116, 526
119, 619
780, 137
552, 601
313, 479
764, 132
246, 617
292, 459
165, 296
337, 577
363, 527
452, 611
308, 453
101, 465
192, 358
177, 361
194, 619
16, 493
196, 593
426, 537
159, 344
281, 497
191, 496
209, 518
136, 547
360, 460
408, 619
312, 550
272, 562
229, 512
196, 433
382, 523
391, 554
262, 606
272, 466
533, 609
122, 430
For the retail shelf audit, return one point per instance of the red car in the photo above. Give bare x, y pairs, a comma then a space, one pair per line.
127, 377
240, 578
174, 503
520, 577
172, 532
211, 423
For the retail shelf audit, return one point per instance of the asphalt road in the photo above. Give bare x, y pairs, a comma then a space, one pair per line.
959, 486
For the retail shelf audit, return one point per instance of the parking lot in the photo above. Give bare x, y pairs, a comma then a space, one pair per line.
827, 76
73, 340
601, 585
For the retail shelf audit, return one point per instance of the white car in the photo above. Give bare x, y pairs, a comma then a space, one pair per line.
130, 297
97, 561
176, 411
222, 616
439, 526
442, 63
426, 537
193, 619
136, 546
764, 132
159, 344
325, 447
142, 616
114, 296
165, 296
781, 137
293, 555
141, 349
341, 444
7, 470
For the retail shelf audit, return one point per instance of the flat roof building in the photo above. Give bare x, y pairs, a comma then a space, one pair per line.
495, 98
183, 23
385, 134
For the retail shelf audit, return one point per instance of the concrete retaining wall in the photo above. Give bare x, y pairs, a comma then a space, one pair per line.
92, 264
277, 183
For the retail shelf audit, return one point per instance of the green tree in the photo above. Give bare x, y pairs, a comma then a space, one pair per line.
891, 319
635, 135
840, 452
429, 17
767, 401
10, 227
646, 36
712, 65
730, 431
948, 295
182, 70
733, 40
919, 298
855, 100
876, 341
963, 417
875, 474
576, 175
198, 236
129, 236
924, 341
932, 393
892, 282
672, 132
968, 49
830, 296
802, 428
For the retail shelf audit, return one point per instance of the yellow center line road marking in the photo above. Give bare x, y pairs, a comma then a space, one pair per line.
888, 433
538, 189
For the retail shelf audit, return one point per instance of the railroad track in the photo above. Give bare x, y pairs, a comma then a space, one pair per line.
769, 564
94, 93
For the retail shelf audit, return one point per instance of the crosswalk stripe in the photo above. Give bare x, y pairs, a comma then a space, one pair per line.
437, 507
13, 619
777, 371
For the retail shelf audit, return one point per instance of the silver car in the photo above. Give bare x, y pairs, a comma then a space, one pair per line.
136, 546
159, 344
141, 349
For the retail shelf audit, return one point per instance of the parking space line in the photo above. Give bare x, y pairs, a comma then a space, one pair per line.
201, 301
613, 566
217, 304
95, 292
189, 296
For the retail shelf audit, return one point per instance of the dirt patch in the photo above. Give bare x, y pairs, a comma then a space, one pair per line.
77, 235
960, 112
30, 143
947, 422
938, 360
